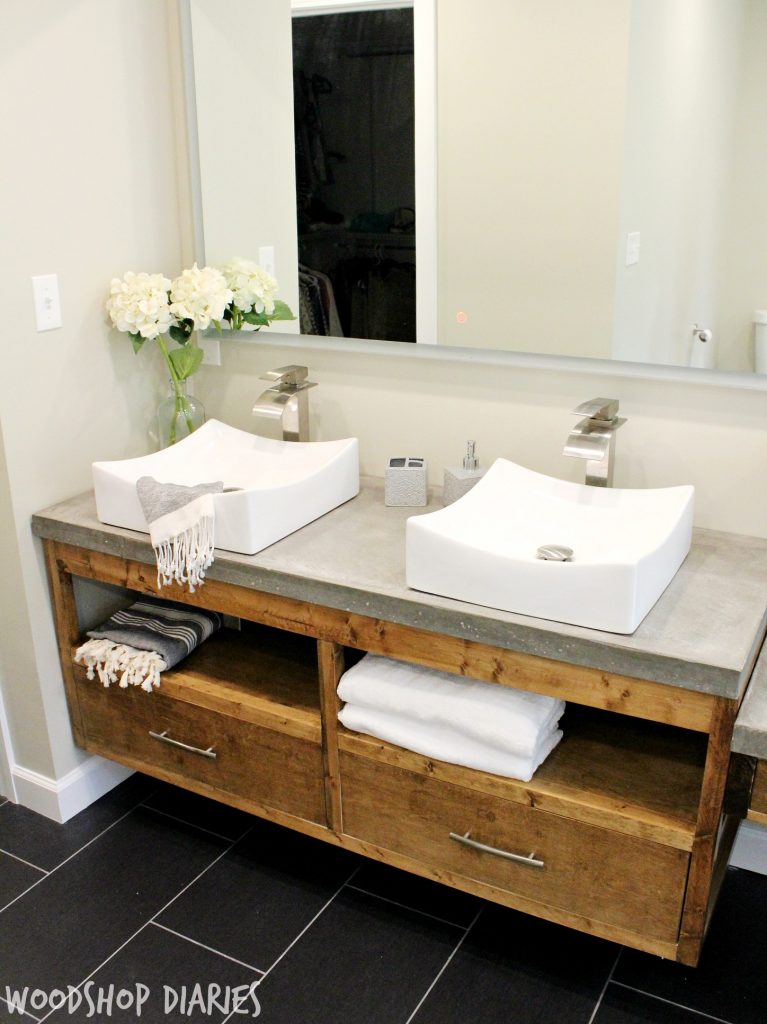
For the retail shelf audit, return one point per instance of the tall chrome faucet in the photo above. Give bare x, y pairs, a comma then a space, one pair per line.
286, 399
593, 439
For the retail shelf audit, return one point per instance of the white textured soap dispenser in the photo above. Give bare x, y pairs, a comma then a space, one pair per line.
460, 479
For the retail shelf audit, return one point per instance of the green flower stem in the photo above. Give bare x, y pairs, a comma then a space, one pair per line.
182, 406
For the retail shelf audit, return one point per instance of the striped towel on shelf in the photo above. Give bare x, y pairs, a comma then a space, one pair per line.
135, 645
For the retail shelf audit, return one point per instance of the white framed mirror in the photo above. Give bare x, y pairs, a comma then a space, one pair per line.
595, 188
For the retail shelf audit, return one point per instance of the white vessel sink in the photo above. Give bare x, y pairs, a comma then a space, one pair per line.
627, 546
277, 486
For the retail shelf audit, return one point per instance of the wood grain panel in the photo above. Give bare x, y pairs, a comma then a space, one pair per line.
331, 667
698, 899
67, 631
592, 687
590, 872
607, 771
758, 810
273, 768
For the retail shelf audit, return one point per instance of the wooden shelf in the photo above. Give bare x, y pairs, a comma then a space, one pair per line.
259, 675
635, 777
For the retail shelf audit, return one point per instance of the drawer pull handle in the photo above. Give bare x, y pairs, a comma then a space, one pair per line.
165, 738
466, 840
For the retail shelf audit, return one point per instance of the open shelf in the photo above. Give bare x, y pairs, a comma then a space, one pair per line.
260, 675
621, 773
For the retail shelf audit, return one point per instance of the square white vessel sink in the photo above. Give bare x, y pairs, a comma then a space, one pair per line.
627, 545
276, 486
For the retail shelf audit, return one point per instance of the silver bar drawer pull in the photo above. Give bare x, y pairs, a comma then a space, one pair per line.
165, 738
466, 840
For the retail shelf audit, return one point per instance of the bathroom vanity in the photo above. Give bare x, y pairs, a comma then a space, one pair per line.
632, 816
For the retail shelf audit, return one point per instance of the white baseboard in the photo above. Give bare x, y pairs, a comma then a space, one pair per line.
750, 849
62, 798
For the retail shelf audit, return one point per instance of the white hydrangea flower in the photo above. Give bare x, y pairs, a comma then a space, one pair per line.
252, 288
201, 295
138, 304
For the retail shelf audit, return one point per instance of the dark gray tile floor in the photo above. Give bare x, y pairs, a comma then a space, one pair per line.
157, 900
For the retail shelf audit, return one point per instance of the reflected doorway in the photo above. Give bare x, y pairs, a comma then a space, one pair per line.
355, 173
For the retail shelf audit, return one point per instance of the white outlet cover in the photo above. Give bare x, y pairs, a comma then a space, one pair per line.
45, 288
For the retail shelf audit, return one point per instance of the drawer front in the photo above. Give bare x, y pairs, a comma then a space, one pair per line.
252, 762
597, 874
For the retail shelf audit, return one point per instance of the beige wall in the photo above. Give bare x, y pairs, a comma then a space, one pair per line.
686, 58
18, 675
743, 283
714, 438
529, 171
89, 191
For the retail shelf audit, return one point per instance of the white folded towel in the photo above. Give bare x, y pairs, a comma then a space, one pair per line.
446, 744
511, 720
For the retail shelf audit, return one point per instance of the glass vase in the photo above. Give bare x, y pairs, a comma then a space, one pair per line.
178, 415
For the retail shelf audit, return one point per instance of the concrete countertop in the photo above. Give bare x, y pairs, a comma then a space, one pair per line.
750, 736
704, 633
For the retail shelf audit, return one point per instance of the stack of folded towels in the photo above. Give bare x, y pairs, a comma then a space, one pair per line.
450, 718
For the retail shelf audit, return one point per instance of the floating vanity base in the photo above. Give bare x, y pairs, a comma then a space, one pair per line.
624, 832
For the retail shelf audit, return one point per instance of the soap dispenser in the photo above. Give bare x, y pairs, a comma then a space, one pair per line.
460, 479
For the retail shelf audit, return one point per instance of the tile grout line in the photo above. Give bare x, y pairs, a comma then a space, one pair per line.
670, 1002
405, 906
22, 1016
210, 949
303, 931
70, 857
595, 1011
78, 850
223, 853
306, 927
97, 969
148, 922
27, 862
443, 968
190, 824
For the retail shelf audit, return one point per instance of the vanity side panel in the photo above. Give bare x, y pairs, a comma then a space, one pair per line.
67, 630
711, 837
758, 810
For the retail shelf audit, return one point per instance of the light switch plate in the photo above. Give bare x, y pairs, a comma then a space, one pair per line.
45, 288
632, 248
266, 258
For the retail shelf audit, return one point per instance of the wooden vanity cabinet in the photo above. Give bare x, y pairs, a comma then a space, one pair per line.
253, 736
623, 832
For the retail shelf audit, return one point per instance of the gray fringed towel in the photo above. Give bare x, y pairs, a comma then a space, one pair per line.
136, 644
181, 521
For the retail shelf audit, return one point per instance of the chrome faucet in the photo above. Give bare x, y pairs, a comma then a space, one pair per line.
287, 400
593, 439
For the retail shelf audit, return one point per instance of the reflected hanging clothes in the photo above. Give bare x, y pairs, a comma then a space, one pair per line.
318, 313
376, 298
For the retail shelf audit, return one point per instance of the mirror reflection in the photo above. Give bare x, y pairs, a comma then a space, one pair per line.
355, 173
599, 175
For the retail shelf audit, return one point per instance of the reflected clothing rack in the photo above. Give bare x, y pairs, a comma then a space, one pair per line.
372, 279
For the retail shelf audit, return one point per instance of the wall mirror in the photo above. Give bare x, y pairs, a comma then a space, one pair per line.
588, 173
